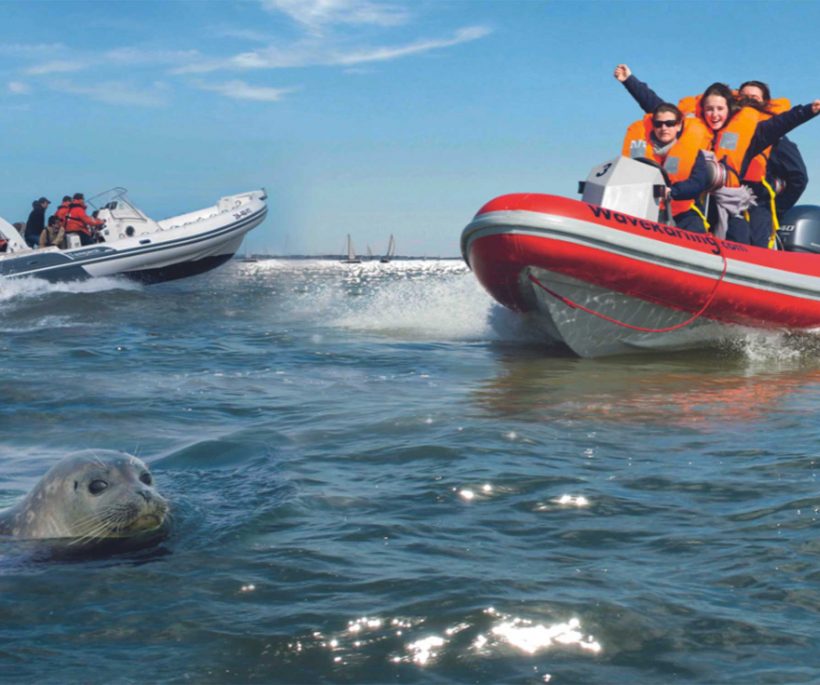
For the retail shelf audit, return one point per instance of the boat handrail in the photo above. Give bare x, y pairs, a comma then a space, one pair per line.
115, 193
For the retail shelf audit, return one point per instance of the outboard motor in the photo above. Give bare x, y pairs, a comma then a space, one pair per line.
800, 229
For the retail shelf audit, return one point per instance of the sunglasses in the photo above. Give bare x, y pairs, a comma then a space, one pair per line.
668, 123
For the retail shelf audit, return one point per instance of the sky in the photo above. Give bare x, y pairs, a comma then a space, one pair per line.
357, 116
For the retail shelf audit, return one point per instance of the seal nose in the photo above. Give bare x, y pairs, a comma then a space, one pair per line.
145, 495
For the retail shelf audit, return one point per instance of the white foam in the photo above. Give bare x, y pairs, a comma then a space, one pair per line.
14, 290
407, 299
451, 307
776, 349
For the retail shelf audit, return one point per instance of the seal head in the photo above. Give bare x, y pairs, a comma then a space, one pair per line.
88, 497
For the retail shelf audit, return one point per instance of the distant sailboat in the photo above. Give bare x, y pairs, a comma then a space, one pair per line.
369, 252
351, 253
391, 251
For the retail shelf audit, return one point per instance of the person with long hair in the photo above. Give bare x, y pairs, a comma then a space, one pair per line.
739, 134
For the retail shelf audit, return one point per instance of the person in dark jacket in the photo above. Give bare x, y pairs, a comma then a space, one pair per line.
36, 222
718, 109
786, 164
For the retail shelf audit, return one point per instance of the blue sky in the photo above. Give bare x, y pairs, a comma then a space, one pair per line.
358, 116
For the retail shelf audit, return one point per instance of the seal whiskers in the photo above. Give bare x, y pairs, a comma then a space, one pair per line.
89, 497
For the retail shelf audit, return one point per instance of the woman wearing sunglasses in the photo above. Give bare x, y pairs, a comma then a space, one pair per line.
739, 133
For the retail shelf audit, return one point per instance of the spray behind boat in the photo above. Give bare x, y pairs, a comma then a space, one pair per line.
800, 229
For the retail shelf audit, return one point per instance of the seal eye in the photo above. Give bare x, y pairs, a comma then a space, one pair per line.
146, 478
95, 487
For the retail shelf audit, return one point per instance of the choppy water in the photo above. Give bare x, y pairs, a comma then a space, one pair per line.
378, 476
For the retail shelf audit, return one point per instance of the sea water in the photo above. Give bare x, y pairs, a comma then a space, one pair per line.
379, 475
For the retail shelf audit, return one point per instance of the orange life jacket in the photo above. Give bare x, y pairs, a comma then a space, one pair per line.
681, 157
637, 141
77, 221
732, 141
696, 136
756, 171
690, 106
62, 211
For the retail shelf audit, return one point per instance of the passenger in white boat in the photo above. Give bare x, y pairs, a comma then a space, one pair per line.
79, 223
36, 221
53, 234
62, 210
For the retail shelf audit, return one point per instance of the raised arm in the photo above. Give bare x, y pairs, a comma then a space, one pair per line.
622, 72
646, 98
770, 131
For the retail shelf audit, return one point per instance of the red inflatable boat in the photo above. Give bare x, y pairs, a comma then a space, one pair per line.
604, 281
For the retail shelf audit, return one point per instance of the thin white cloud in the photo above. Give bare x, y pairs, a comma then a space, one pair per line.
123, 57
239, 90
244, 34
54, 63
28, 50
117, 93
313, 52
315, 14
132, 56
18, 88
464, 35
56, 67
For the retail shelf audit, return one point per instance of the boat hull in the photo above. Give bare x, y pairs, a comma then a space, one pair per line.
604, 282
191, 246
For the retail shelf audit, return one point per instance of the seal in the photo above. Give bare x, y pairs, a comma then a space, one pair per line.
88, 497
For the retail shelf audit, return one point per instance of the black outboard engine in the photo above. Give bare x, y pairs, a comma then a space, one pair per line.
800, 229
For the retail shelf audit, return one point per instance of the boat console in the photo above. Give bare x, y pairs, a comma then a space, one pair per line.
626, 185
